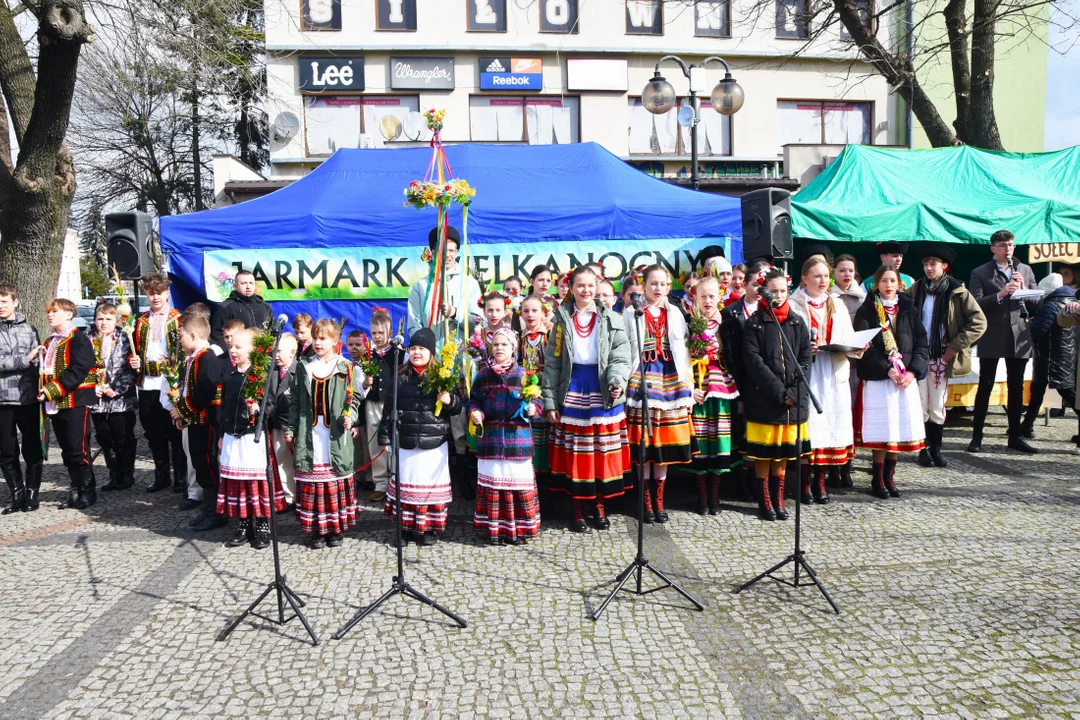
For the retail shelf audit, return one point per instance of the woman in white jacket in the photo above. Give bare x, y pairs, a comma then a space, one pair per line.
831, 432
661, 333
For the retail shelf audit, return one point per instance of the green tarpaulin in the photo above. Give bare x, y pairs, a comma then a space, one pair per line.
959, 195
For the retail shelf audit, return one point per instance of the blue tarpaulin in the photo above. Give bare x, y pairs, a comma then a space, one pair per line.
579, 195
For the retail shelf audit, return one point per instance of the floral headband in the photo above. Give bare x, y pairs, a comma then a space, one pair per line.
759, 281
484, 298
377, 309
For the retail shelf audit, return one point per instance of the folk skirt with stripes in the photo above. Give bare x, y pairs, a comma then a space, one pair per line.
588, 447
242, 490
775, 442
425, 490
541, 461
889, 418
507, 507
325, 501
670, 403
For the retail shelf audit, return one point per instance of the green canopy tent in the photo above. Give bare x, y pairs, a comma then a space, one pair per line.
956, 195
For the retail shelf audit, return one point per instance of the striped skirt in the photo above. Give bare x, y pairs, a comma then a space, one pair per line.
588, 447
425, 490
507, 507
712, 428
325, 503
670, 403
774, 442
541, 461
242, 488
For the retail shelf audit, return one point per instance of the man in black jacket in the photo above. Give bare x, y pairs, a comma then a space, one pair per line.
243, 304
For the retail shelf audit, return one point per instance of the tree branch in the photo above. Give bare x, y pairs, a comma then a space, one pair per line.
956, 24
16, 74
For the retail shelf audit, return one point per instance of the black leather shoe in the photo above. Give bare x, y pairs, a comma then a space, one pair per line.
1018, 443
116, 482
1027, 432
243, 530
661, 517
317, 542
428, 539
938, 458
334, 540
602, 523
924, 458
649, 519
579, 526
159, 485
211, 521
975, 446
703, 510
188, 504
715, 510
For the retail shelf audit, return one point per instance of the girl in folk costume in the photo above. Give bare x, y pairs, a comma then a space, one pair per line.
541, 278
661, 335
506, 502
243, 491
423, 472
831, 433
531, 356
776, 409
738, 285
888, 410
321, 418
847, 285
714, 393
586, 367
114, 413
721, 269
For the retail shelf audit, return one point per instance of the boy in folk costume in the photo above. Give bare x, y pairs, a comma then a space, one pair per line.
714, 394
661, 334
243, 492
20, 411
423, 474
67, 389
193, 498
321, 416
374, 390
194, 410
114, 412
157, 349
282, 377
302, 324
586, 368
506, 502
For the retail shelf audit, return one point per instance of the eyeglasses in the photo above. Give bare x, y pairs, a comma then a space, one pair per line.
1004, 245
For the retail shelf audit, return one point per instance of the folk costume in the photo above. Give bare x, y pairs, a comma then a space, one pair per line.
374, 405
197, 399
661, 335
531, 357
771, 380
732, 323
588, 352
20, 412
888, 417
323, 450
243, 492
114, 418
276, 424
507, 507
67, 381
423, 471
712, 419
157, 345
832, 436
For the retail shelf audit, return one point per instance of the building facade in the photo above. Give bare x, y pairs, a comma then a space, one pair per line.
356, 73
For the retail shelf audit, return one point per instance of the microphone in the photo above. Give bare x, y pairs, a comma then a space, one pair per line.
638, 301
398, 341
813, 339
765, 295
279, 323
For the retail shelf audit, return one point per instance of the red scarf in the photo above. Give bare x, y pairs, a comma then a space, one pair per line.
419, 368
782, 312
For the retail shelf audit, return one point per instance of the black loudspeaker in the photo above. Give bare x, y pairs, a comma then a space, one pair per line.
766, 224
128, 238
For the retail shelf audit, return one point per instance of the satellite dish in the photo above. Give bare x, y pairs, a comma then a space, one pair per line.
415, 125
686, 116
285, 127
390, 127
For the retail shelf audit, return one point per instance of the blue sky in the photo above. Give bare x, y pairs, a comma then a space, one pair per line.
1063, 74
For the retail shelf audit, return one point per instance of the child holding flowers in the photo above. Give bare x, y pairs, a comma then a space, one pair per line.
504, 399
533, 344
426, 399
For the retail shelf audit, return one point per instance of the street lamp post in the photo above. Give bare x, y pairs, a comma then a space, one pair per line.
727, 97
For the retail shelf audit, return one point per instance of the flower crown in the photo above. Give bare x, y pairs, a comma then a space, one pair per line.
379, 309
759, 281
484, 298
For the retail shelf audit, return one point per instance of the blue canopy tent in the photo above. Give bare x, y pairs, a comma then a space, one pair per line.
341, 240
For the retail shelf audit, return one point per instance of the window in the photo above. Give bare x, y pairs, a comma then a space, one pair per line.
662, 135
533, 120
712, 18
831, 123
338, 122
792, 19
865, 10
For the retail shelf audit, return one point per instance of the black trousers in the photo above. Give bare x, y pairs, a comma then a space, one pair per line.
1040, 376
27, 420
72, 430
1014, 373
115, 431
162, 436
202, 441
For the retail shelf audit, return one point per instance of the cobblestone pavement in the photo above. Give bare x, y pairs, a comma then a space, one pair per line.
959, 600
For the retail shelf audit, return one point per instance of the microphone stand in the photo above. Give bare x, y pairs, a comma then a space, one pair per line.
398, 585
798, 556
640, 562
280, 583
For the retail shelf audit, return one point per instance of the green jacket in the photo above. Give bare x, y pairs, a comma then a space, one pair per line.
342, 398
965, 323
614, 356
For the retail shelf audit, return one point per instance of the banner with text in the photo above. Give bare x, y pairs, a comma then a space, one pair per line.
387, 273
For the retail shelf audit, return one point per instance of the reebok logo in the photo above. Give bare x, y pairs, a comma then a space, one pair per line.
495, 66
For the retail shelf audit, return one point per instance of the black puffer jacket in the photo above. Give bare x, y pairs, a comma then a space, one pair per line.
419, 427
732, 322
1054, 342
910, 340
252, 311
769, 373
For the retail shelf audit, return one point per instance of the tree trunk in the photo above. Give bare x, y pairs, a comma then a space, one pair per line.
956, 23
984, 127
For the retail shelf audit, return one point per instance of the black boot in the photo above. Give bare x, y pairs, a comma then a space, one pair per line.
714, 493
777, 483
821, 495
746, 484
649, 519
243, 532
925, 459
934, 433
16, 488
33, 487
702, 494
88, 493
261, 540
834, 476
112, 461
765, 509
845, 476
161, 479
179, 480
877, 485
74, 491
807, 497
887, 473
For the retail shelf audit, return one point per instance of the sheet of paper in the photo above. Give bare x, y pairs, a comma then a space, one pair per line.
1028, 294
